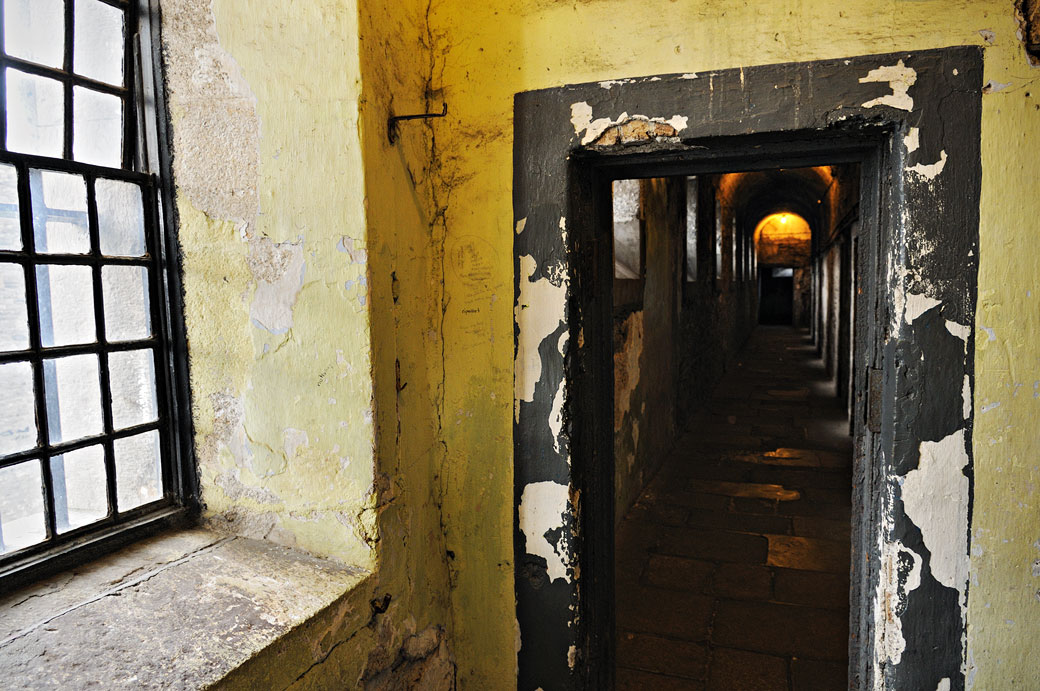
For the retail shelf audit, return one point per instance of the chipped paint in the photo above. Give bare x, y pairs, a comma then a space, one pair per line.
539, 311
279, 270
935, 495
916, 305
556, 417
966, 397
543, 507
520, 225
930, 171
890, 599
912, 140
581, 118
900, 78
959, 330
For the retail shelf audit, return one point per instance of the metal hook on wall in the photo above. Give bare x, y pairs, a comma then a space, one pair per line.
391, 122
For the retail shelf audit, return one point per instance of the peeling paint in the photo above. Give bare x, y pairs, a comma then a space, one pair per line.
959, 330
916, 305
581, 118
520, 225
539, 311
935, 495
900, 78
279, 271
543, 506
912, 140
556, 416
930, 171
966, 397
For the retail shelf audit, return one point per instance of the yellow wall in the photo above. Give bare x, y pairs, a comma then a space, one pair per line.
264, 109
489, 51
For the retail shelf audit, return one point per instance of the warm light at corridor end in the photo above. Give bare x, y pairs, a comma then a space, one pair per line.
783, 227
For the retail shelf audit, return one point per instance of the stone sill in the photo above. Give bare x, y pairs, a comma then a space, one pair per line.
179, 610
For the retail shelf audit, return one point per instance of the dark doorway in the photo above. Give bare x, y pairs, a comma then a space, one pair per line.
776, 295
916, 253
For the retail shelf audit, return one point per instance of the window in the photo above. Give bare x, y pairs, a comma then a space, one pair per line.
88, 449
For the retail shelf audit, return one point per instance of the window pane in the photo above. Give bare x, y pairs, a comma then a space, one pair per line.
126, 302
73, 397
59, 209
627, 235
35, 30
21, 506
120, 218
66, 299
98, 50
17, 408
14, 322
98, 128
132, 375
35, 114
138, 474
10, 226
82, 473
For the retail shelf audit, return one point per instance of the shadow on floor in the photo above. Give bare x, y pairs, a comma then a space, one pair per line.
733, 564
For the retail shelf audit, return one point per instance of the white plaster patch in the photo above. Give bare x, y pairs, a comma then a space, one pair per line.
944, 684
959, 330
539, 312
900, 78
888, 631
930, 171
991, 335
912, 140
556, 415
521, 224
611, 82
563, 229
292, 440
542, 509
581, 116
689, 75
935, 495
966, 397
917, 304
273, 300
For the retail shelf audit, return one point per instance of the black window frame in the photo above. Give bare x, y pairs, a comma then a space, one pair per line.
146, 161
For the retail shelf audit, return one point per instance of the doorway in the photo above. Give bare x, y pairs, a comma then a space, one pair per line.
916, 252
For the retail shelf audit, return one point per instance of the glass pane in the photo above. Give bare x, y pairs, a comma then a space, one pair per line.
120, 218
59, 209
132, 375
81, 474
138, 472
66, 298
17, 408
98, 50
73, 397
35, 114
10, 226
126, 302
627, 235
34, 30
21, 506
14, 322
97, 132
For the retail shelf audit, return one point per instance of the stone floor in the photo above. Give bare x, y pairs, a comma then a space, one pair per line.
732, 567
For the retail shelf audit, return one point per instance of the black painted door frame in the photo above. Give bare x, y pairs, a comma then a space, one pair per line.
912, 121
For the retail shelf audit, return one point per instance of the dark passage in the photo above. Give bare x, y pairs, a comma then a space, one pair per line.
732, 565
776, 301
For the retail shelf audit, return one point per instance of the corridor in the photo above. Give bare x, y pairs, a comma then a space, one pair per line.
732, 566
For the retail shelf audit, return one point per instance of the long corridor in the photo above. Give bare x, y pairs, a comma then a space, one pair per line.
732, 566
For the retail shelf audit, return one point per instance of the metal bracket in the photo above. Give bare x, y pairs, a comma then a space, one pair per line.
391, 122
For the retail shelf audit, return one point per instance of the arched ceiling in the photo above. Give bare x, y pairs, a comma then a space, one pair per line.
754, 195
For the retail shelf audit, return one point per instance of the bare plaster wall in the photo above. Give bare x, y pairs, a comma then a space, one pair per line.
493, 50
306, 237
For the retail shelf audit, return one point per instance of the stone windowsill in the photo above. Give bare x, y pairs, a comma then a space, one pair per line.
180, 610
